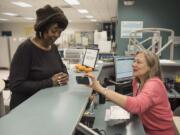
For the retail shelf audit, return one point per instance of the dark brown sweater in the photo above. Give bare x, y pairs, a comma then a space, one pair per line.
31, 70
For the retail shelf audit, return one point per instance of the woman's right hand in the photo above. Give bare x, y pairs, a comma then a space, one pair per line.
95, 85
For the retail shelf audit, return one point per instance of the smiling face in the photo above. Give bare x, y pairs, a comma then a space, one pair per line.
140, 66
51, 35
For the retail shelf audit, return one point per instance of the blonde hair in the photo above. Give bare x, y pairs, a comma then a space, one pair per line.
153, 63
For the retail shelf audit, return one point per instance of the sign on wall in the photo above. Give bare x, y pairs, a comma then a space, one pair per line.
129, 26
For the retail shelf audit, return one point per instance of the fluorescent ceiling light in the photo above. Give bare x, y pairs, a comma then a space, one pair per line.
21, 4
129, 2
82, 11
93, 20
89, 16
2, 19
29, 18
72, 2
10, 14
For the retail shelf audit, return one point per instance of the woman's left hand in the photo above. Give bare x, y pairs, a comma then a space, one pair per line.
63, 78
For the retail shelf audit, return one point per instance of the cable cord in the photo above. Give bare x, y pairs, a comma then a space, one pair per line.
100, 131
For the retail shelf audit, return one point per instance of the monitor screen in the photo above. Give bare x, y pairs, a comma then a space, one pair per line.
123, 68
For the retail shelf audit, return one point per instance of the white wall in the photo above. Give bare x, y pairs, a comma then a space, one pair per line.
4, 53
18, 29
83, 26
26, 29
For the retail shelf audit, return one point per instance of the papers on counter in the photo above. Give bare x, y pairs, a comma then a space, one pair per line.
116, 115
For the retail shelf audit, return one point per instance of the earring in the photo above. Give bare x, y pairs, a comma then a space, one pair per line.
40, 34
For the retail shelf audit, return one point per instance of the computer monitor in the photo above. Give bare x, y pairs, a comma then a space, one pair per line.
123, 68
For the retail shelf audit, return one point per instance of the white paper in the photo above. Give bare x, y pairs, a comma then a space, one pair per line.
119, 113
90, 58
96, 37
85, 41
116, 115
107, 115
78, 38
104, 36
100, 36
104, 46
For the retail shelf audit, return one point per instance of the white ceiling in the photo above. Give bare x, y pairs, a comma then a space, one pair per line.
102, 10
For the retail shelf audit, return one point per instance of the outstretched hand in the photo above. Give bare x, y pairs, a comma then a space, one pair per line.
95, 85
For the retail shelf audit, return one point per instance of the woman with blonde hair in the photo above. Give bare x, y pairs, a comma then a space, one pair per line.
149, 100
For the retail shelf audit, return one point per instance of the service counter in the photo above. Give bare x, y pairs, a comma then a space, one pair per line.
51, 111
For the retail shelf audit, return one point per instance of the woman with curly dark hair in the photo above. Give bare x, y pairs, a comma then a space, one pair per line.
37, 64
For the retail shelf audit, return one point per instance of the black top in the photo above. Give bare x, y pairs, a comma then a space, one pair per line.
31, 70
